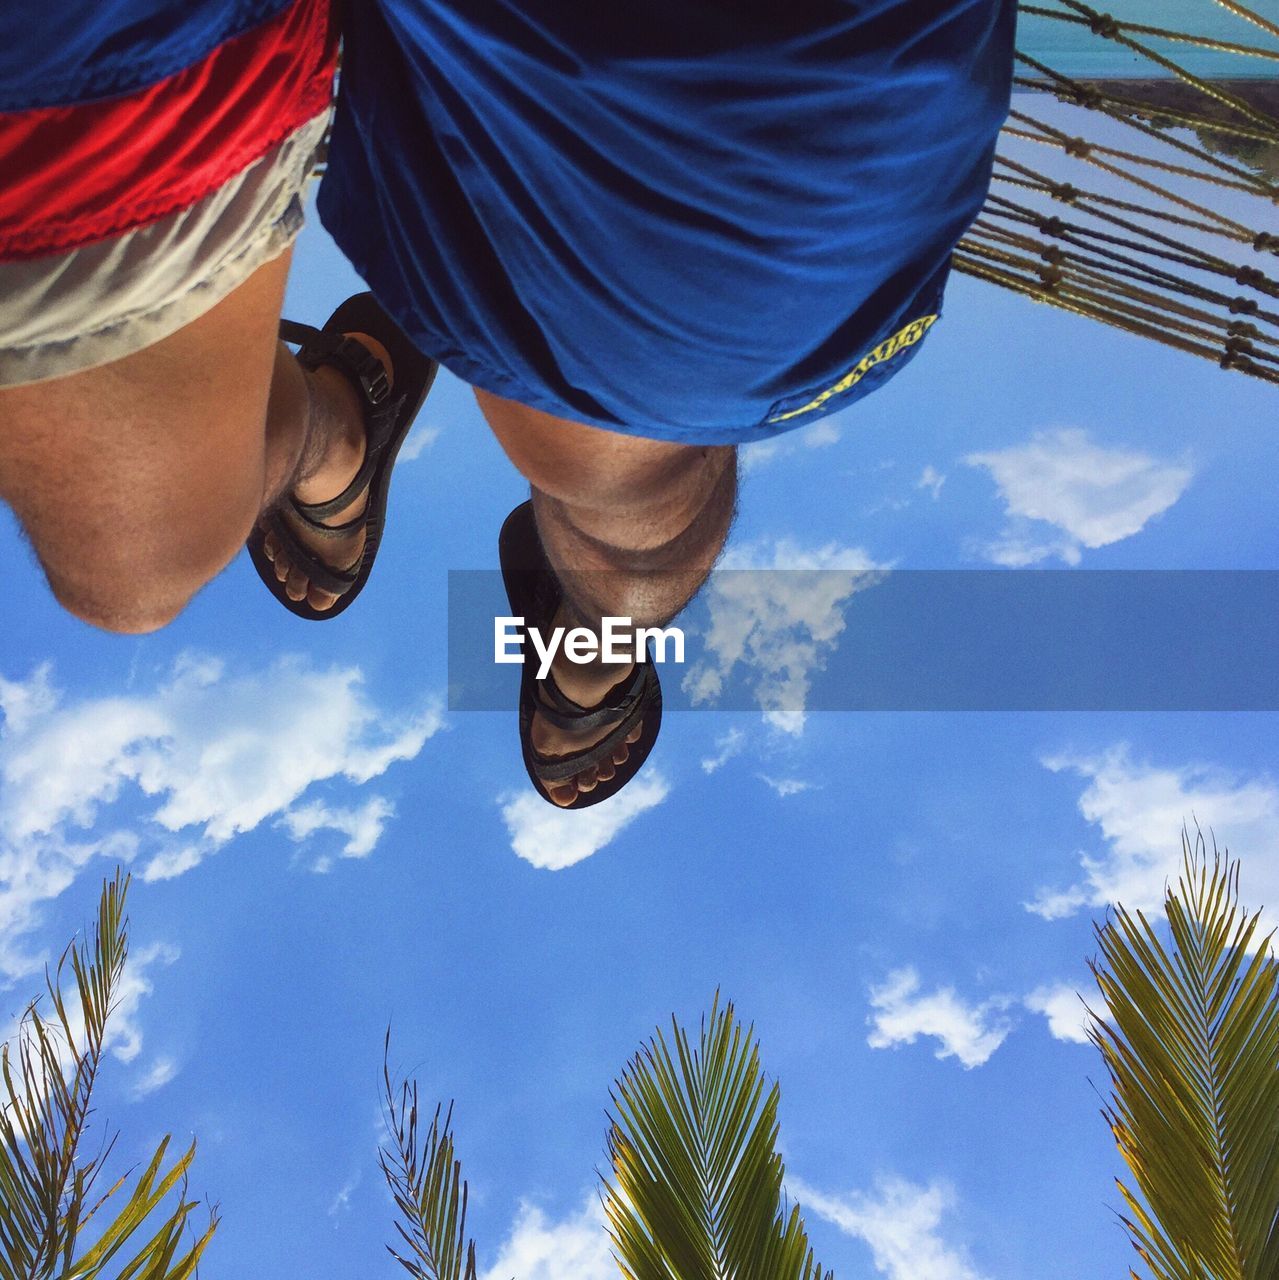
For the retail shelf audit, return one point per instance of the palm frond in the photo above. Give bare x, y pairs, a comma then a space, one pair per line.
1192, 1047
427, 1187
696, 1189
46, 1181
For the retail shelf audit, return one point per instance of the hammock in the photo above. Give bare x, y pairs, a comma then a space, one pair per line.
1175, 247
1144, 204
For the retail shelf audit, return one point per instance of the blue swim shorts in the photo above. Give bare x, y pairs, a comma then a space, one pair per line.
697, 220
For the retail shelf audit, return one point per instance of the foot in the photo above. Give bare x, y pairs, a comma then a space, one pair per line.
585, 684
340, 417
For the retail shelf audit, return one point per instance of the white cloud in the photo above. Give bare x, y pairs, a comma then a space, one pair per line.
341, 1202
170, 863
32, 872
821, 435
727, 745
24, 703
1015, 551
156, 1076
553, 838
1060, 1003
124, 1033
886, 503
901, 1222
576, 1248
63, 766
786, 786
203, 756
421, 438
777, 611
124, 1029
932, 480
1140, 808
903, 1013
1093, 495
362, 825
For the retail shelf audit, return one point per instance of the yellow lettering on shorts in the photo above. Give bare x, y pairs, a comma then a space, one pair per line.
886, 350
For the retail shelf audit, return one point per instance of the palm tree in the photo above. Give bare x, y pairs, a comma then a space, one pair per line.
696, 1192
427, 1187
696, 1186
1190, 1039
1191, 1042
49, 1210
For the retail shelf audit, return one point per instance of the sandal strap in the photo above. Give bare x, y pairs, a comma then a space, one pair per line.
560, 710
327, 577
379, 424
562, 767
297, 333
366, 373
331, 531
351, 358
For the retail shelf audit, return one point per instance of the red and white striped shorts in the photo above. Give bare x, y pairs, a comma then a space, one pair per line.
124, 218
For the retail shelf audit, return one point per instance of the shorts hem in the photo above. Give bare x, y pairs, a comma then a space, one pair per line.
56, 238
500, 383
496, 383
179, 302
127, 335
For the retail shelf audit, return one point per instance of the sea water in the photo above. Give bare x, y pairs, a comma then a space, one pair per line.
1076, 51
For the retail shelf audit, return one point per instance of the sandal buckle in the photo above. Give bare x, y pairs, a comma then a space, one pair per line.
368, 370
377, 386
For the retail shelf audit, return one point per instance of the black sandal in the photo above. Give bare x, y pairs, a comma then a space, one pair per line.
387, 419
534, 594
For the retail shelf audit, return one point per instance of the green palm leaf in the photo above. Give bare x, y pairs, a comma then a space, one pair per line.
1192, 1047
47, 1185
696, 1192
427, 1188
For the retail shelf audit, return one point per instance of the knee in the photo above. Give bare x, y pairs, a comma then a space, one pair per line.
129, 561
122, 608
630, 477
132, 588
589, 467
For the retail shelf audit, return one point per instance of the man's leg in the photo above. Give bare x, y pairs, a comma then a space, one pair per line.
631, 526
138, 481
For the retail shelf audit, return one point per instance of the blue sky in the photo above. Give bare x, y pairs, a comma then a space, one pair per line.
901, 902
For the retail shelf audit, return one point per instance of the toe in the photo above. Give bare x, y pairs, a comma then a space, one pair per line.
588, 780
296, 585
320, 600
635, 733
606, 770
563, 793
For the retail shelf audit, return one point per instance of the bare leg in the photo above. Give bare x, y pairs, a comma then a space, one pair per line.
138, 481
631, 526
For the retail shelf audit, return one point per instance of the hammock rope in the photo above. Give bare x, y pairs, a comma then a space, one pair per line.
1203, 42
1152, 246
1101, 269
1082, 149
1068, 193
